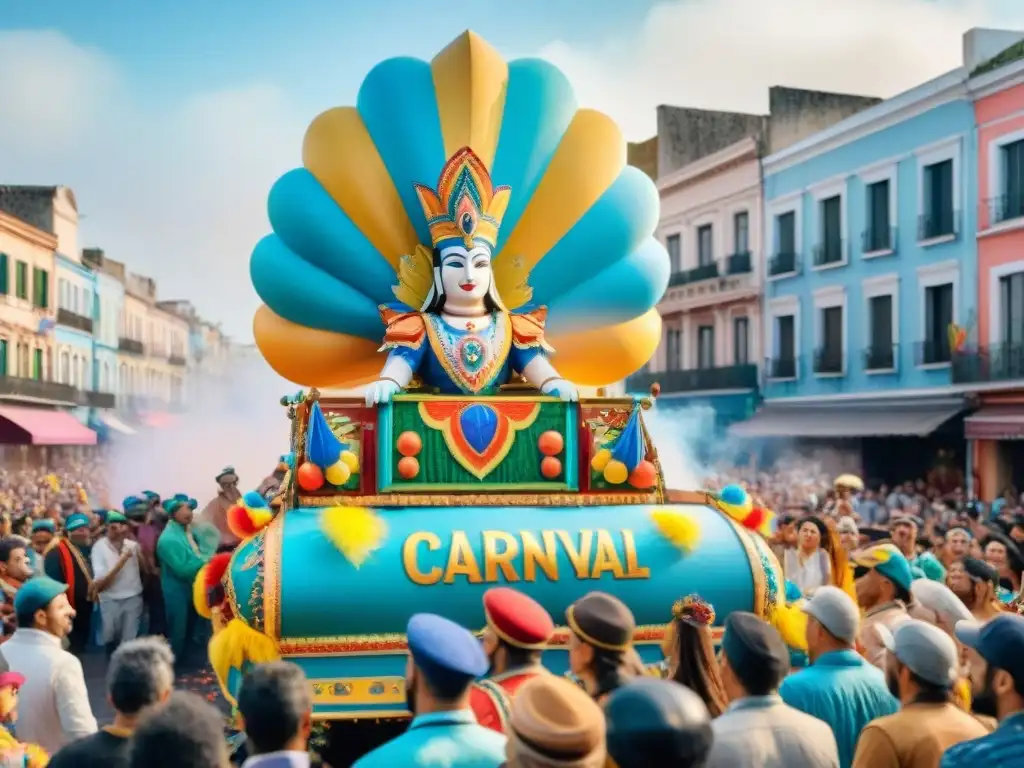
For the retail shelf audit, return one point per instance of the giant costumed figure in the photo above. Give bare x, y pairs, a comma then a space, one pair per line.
474, 248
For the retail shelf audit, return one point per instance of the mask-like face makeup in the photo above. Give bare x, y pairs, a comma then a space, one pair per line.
466, 275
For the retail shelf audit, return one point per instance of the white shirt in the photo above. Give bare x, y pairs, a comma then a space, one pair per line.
128, 582
53, 704
812, 573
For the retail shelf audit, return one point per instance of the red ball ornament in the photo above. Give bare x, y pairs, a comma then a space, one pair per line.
409, 443
408, 467
551, 443
550, 467
644, 476
310, 477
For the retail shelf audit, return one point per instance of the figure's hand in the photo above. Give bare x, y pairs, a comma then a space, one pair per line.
562, 389
381, 391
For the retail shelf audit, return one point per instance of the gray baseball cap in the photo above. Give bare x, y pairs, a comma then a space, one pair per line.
836, 611
925, 649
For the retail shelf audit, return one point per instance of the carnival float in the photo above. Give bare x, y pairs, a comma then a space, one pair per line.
472, 247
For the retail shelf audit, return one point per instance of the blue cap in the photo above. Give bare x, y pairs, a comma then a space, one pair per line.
132, 503
37, 593
44, 525
888, 561
1000, 641
76, 521
149, 496
447, 654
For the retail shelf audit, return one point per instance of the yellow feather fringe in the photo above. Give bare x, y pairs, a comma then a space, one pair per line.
792, 625
680, 529
356, 532
236, 644
415, 277
199, 593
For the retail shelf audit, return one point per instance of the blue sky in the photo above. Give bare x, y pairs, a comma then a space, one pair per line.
171, 120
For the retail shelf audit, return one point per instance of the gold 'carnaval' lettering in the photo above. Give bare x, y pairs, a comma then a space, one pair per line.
508, 558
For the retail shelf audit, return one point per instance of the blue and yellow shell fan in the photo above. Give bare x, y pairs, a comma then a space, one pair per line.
577, 230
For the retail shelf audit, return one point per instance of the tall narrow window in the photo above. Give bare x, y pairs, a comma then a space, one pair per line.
938, 219
877, 236
675, 257
938, 314
741, 232
705, 254
706, 346
741, 340
880, 355
1013, 181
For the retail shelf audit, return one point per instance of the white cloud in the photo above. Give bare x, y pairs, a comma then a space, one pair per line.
179, 192
725, 54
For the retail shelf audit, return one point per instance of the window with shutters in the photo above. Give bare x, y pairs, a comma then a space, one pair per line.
673, 349
829, 356
673, 244
741, 340
878, 235
830, 244
784, 363
741, 232
706, 346
881, 351
938, 314
1011, 310
5, 274
938, 218
21, 280
705, 254
1012, 202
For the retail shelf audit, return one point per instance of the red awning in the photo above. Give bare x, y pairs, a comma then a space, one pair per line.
37, 426
996, 422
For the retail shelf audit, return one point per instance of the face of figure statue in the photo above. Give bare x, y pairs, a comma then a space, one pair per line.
465, 275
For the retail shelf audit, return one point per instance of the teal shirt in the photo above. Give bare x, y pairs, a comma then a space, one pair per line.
844, 690
440, 740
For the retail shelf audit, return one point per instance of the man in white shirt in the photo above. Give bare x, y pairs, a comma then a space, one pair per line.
117, 582
53, 704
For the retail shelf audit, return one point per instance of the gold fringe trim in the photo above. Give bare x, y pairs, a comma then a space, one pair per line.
487, 500
272, 578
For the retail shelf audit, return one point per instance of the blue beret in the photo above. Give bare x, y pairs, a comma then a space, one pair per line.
44, 525
37, 593
446, 653
76, 521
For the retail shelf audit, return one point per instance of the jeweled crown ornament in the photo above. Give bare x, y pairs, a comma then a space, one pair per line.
466, 209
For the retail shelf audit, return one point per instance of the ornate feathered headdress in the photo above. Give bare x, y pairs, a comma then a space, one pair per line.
466, 207
694, 611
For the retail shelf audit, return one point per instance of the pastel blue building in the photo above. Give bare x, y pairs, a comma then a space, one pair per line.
73, 335
871, 255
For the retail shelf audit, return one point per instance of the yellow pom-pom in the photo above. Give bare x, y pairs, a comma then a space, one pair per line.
600, 460
680, 529
356, 532
199, 593
351, 460
338, 473
791, 622
616, 473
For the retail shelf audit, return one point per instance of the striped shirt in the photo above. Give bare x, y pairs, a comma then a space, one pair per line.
1003, 748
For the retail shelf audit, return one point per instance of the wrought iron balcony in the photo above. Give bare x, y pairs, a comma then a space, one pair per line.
783, 367
831, 251
177, 359
695, 379
998, 362
828, 360
100, 399
933, 352
881, 357
783, 263
679, 277
878, 239
131, 346
17, 388
931, 226
1005, 208
704, 272
74, 320
739, 263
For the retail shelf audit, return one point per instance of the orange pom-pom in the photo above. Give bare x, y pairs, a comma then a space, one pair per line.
240, 522
551, 443
409, 443
644, 476
408, 467
550, 467
310, 477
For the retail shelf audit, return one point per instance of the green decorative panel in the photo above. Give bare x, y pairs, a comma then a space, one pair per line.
485, 443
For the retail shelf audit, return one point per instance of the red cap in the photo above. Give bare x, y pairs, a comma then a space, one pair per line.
517, 619
15, 679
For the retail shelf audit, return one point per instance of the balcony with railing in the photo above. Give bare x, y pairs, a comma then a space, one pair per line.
994, 363
17, 388
942, 224
933, 352
739, 263
695, 379
830, 252
782, 263
71, 319
878, 240
783, 367
1005, 208
881, 357
828, 361
131, 346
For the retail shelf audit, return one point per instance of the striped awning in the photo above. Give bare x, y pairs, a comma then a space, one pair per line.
996, 422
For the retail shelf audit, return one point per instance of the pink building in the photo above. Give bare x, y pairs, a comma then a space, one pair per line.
996, 367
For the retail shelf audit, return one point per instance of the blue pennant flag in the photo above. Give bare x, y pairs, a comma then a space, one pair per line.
323, 447
629, 447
